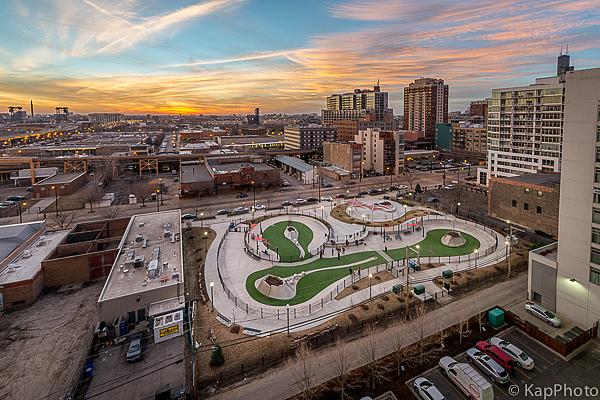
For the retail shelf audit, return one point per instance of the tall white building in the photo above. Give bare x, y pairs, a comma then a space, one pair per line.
578, 275
568, 281
525, 126
383, 151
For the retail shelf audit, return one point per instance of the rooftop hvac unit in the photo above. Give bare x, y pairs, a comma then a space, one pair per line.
27, 254
166, 233
139, 238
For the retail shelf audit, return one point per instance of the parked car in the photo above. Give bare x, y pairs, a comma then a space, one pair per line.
327, 185
300, 201
188, 217
285, 183
242, 195
340, 196
134, 352
223, 211
312, 200
363, 193
351, 183
518, 356
497, 354
449, 187
543, 314
260, 207
402, 187
326, 198
431, 200
15, 199
427, 390
240, 210
487, 365
394, 187
286, 203
286, 189
469, 381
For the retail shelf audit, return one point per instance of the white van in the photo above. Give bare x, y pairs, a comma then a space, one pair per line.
470, 382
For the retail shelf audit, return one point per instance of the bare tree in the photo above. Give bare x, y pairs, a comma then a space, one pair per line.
377, 371
111, 212
410, 177
396, 340
92, 194
141, 190
64, 218
340, 362
303, 370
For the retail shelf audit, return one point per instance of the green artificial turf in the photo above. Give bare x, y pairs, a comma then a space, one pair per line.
288, 252
311, 284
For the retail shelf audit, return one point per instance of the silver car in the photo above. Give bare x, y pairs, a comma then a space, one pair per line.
543, 314
488, 366
518, 355
427, 390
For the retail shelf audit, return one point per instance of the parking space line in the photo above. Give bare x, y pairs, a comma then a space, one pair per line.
521, 372
520, 342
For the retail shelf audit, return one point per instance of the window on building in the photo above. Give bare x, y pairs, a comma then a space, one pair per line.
597, 198
538, 209
525, 206
526, 190
596, 216
596, 235
595, 276
514, 203
595, 256
539, 193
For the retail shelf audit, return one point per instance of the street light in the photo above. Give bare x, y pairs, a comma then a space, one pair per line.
21, 213
55, 188
475, 252
287, 306
201, 219
253, 193
212, 303
322, 212
161, 191
417, 250
157, 202
370, 287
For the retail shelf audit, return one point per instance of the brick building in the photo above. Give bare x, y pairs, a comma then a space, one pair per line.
346, 156
527, 200
60, 185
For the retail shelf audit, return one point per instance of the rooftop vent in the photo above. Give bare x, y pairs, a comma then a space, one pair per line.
27, 254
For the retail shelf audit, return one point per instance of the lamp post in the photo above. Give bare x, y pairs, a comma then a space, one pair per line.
55, 188
322, 212
319, 185
287, 307
253, 194
391, 177
370, 286
212, 302
476, 253
161, 191
157, 200
417, 250
201, 219
21, 212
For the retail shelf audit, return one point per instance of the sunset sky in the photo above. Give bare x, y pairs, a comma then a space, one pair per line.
229, 56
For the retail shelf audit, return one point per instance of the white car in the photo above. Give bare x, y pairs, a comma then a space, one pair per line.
449, 187
402, 187
300, 201
326, 198
487, 365
518, 355
543, 314
260, 207
427, 390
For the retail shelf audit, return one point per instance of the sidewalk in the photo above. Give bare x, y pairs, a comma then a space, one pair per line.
279, 383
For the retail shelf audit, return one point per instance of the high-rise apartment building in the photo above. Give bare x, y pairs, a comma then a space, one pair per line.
309, 137
105, 118
566, 278
383, 151
370, 106
425, 104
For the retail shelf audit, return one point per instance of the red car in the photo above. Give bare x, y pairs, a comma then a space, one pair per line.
497, 354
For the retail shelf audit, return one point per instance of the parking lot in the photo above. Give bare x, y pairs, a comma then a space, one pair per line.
550, 369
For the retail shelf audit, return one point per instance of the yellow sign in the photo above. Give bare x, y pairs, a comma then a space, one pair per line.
169, 331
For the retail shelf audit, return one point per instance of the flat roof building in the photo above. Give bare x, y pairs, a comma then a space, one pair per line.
296, 167
60, 185
148, 269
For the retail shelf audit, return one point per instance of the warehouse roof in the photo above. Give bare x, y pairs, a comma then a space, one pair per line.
61, 178
150, 256
294, 163
542, 179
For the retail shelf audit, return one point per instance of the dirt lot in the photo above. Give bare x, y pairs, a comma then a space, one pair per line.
43, 345
339, 212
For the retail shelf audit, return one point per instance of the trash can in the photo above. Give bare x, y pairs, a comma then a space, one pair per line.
447, 273
397, 288
496, 317
419, 289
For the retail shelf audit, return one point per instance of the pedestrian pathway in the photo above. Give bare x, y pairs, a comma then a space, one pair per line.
383, 254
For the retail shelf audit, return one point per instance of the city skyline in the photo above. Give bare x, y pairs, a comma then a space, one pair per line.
229, 56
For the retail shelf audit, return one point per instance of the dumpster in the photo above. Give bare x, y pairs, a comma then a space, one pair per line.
447, 273
419, 289
496, 317
397, 288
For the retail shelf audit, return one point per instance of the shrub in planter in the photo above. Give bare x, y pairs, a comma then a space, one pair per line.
377, 277
235, 329
385, 297
352, 317
354, 287
364, 307
380, 306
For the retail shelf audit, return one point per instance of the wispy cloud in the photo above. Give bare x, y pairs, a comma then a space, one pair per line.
246, 57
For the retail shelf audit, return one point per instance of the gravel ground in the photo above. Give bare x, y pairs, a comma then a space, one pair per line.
43, 345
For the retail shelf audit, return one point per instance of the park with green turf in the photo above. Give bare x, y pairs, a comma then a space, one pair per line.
319, 273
